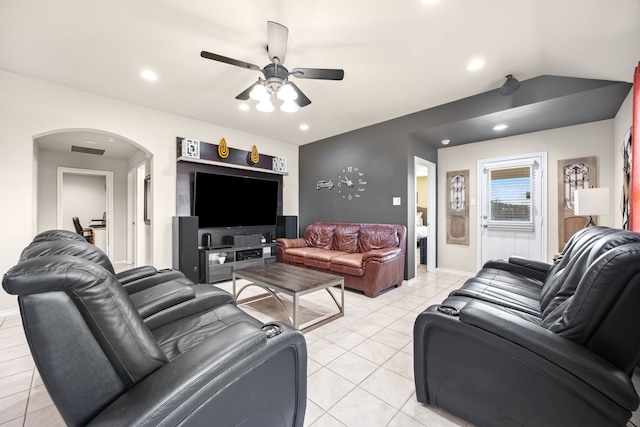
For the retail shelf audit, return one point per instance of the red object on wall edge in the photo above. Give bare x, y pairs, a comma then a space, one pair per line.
634, 199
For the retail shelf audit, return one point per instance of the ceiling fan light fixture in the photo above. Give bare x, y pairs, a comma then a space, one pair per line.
259, 93
289, 106
287, 93
265, 106
510, 86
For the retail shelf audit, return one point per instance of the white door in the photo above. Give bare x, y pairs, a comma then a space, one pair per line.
512, 205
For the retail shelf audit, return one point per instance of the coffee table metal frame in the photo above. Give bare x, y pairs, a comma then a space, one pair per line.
274, 289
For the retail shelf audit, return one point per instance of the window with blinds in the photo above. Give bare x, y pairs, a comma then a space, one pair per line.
510, 197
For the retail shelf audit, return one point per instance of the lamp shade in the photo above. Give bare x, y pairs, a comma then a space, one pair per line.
592, 201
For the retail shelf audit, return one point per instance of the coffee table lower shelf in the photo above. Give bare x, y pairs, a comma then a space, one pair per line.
294, 281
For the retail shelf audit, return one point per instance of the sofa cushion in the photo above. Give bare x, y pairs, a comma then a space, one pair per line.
319, 235
374, 236
348, 264
297, 255
345, 238
321, 258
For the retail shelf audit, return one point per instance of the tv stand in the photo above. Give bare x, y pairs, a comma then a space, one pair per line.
236, 258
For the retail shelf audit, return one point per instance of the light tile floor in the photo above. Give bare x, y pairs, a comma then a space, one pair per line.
360, 367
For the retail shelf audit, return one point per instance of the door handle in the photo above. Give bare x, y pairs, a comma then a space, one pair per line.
485, 225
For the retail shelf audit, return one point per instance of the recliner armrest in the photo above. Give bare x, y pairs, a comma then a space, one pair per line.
135, 273
203, 376
533, 264
516, 268
584, 364
143, 283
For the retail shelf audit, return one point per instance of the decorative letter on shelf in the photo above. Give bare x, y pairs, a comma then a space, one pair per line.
573, 174
458, 208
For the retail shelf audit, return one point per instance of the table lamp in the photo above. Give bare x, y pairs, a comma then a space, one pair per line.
592, 202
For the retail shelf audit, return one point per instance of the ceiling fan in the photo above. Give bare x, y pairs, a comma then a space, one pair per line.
276, 83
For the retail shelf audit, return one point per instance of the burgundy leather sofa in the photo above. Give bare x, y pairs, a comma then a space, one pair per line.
532, 344
370, 257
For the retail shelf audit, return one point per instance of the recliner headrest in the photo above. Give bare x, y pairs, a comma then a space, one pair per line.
77, 248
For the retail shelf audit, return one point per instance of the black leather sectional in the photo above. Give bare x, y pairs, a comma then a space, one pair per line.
531, 344
149, 347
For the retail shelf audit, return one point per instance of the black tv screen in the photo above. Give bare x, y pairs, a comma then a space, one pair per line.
234, 201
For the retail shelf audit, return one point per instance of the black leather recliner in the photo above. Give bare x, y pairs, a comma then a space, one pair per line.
102, 365
511, 349
150, 274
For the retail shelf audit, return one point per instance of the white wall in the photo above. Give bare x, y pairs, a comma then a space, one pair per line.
83, 196
48, 162
30, 108
592, 139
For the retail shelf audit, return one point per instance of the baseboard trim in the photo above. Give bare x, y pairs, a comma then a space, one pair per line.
449, 270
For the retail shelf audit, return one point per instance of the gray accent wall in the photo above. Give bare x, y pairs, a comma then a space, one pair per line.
384, 154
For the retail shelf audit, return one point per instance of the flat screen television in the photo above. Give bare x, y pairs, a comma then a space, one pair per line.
234, 201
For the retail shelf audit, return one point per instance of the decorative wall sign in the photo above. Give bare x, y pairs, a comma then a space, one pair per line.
458, 207
223, 150
325, 184
573, 174
191, 148
351, 183
279, 164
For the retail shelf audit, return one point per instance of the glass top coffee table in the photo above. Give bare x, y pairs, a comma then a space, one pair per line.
287, 279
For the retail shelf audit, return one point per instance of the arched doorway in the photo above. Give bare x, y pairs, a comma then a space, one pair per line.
100, 153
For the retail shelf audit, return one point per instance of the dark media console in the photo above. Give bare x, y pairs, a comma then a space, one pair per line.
235, 258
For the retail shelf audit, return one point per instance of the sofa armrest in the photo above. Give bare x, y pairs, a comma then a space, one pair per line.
207, 381
573, 358
381, 255
291, 243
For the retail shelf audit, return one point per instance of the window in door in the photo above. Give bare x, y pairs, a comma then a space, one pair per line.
510, 198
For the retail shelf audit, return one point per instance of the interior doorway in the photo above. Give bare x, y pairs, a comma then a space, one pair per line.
88, 195
138, 210
424, 209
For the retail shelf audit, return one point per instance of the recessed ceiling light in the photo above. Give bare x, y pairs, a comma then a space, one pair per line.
476, 64
445, 141
244, 107
429, 2
148, 75
500, 127
304, 127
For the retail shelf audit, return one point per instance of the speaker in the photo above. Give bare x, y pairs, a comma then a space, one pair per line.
240, 240
185, 246
287, 227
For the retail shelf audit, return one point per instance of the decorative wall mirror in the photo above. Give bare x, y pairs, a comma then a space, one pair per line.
458, 207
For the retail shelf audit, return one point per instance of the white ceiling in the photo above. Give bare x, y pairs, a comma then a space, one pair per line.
399, 56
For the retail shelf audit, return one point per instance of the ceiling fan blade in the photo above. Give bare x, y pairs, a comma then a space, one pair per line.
237, 63
302, 99
277, 35
245, 94
318, 73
